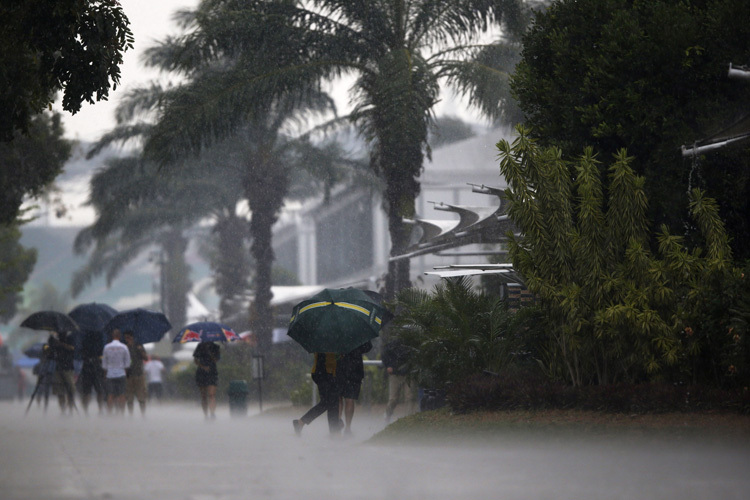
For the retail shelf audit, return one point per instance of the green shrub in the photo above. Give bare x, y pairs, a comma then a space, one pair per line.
525, 391
302, 395
456, 332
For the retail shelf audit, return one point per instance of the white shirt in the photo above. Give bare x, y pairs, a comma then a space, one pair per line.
153, 370
115, 358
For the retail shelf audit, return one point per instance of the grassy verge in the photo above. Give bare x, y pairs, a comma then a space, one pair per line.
443, 427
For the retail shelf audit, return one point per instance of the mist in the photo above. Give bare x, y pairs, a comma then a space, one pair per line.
173, 453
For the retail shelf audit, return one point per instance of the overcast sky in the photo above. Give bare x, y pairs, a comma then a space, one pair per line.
150, 20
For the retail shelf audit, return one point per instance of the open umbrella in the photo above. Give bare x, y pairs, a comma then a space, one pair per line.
206, 331
337, 320
148, 326
50, 320
92, 317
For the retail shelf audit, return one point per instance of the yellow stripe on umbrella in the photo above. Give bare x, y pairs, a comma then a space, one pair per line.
347, 305
313, 306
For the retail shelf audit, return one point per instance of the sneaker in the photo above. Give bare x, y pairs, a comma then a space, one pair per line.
297, 426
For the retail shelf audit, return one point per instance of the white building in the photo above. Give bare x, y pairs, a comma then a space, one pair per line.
346, 241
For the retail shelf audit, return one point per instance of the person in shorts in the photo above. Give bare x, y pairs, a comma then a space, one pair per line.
135, 377
92, 374
115, 360
206, 355
154, 369
351, 372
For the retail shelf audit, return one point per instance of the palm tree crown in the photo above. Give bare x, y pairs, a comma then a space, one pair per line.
399, 50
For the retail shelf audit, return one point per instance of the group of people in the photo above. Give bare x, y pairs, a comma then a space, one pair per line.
117, 372
339, 380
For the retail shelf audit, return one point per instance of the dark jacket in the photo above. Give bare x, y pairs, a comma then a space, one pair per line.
396, 356
350, 366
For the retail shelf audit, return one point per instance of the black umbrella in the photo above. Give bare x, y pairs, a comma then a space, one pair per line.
148, 326
50, 320
92, 317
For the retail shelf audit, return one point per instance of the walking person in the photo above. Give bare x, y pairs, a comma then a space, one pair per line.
395, 357
324, 375
135, 378
115, 360
64, 386
154, 369
206, 355
351, 372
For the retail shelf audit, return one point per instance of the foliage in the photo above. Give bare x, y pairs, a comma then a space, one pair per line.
447, 130
454, 332
525, 391
285, 366
399, 51
613, 309
30, 162
50, 45
134, 210
43, 298
648, 76
243, 140
16, 265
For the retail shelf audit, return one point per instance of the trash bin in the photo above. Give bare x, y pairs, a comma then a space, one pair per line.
238, 398
431, 399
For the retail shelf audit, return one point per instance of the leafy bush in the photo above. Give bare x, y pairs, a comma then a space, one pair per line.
456, 332
522, 390
285, 367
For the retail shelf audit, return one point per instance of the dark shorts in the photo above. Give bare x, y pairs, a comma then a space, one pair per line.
91, 378
205, 378
350, 388
155, 389
116, 386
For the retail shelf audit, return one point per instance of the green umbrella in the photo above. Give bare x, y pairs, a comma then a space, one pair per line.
337, 320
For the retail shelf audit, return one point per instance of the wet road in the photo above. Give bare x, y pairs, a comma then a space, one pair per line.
175, 454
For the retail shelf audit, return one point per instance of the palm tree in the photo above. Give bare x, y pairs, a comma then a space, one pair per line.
134, 211
259, 164
401, 52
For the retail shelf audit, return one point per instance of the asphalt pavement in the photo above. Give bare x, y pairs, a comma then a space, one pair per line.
174, 453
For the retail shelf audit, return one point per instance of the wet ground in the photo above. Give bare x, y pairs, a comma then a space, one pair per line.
174, 453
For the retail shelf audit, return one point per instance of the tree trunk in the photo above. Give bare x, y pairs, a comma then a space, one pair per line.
398, 276
231, 265
175, 278
265, 188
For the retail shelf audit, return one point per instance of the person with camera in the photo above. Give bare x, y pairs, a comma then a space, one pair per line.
62, 350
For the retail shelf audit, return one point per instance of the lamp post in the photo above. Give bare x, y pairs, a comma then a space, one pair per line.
259, 374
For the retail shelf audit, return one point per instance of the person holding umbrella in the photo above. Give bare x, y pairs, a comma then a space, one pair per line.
352, 372
135, 378
206, 355
91, 319
329, 387
62, 352
333, 322
92, 374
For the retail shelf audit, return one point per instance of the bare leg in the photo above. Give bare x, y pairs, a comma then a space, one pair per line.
204, 400
211, 392
348, 414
